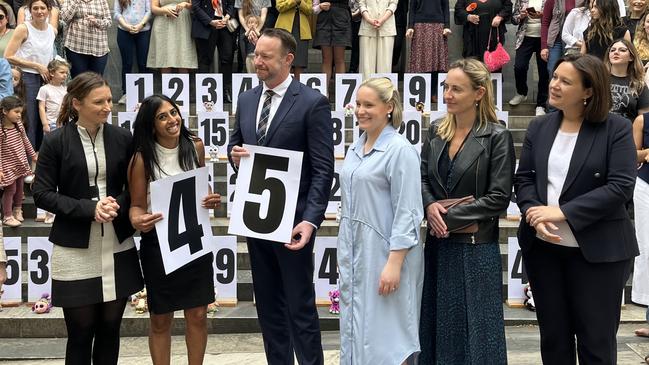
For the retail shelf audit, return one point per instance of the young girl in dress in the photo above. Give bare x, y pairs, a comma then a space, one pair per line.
15, 154
50, 97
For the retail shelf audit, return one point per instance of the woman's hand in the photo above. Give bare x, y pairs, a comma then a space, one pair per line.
495, 22
390, 277
409, 33
171, 11
446, 32
146, 222
211, 201
106, 210
544, 230
325, 6
472, 18
545, 53
434, 213
522, 14
542, 214
42, 70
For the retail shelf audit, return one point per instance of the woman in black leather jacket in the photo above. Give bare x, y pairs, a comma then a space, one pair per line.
468, 154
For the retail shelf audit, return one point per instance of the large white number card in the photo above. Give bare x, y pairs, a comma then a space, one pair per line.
13, 285
38, 264
184, 233
225, 269
516, 276
325, 276
266, 194
138, 87
213, 130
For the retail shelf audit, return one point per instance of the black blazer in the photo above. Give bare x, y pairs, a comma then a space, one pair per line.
203, 14
302, 123
600, 182
484, 169
61, 184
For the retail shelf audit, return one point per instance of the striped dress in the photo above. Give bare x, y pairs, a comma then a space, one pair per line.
15, 154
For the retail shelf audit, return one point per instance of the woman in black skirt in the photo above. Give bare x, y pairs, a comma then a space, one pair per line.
333, 34
165, 147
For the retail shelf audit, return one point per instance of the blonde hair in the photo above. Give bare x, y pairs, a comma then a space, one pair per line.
634, 70
479, 76
389, 95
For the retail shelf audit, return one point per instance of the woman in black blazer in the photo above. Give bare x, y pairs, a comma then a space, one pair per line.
81, 177
576, 172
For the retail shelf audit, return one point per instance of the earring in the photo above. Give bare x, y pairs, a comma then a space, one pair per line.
585, 102
389, 115
477, 105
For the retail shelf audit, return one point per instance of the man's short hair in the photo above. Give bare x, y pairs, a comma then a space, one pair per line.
289, 45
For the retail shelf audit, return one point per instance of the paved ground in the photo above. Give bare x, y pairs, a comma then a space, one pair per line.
522, 345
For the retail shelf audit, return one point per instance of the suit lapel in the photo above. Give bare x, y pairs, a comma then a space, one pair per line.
284, 107
249, 130
584, 143
546, 135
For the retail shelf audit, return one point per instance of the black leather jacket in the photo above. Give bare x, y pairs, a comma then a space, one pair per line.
483, 168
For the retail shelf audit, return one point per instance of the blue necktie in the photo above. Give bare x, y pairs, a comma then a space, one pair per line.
263, 118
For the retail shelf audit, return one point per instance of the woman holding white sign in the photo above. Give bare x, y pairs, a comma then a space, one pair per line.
467, 170
165, 147
379, 255
81, 178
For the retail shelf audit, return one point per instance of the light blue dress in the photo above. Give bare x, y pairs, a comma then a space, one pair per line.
381, 211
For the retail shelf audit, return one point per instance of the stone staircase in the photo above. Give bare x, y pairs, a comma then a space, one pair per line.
20, 322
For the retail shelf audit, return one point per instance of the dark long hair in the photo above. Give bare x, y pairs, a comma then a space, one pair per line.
144, 137
78, 89
123, 4
8, 103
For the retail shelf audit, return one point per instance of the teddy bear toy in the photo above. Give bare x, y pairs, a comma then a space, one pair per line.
138, 300
209, 106
334, 297
529, 298
42, 305
214, 306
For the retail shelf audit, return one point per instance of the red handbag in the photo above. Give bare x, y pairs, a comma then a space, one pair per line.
497, 58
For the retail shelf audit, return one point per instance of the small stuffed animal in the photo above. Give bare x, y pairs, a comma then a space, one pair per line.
142, 306
214, 306
42, 305
529, 298
334, 297
209, 106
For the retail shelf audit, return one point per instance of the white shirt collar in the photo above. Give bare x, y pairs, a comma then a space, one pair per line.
280, 89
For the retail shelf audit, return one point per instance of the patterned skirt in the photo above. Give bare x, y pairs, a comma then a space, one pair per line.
462, 319
429, 50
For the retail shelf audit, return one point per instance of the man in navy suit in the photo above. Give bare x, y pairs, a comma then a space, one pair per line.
283, 113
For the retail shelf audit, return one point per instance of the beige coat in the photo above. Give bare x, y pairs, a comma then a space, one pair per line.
376, 9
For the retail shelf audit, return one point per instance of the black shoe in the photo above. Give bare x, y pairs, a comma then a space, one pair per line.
227, 98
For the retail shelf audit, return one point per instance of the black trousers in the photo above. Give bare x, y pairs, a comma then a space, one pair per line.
353, 62
575, 299
283, 284
225, 41
524, 52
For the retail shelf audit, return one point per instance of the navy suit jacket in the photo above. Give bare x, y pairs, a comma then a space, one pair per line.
599, 183
302, 123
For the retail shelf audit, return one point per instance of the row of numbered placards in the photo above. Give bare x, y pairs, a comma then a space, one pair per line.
209, 89
39, 281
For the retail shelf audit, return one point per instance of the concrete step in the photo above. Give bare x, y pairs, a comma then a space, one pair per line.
20, 322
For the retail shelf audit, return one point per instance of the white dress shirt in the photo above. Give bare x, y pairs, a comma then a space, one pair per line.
280, 91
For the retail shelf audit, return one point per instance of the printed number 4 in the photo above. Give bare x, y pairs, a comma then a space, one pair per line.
185, 191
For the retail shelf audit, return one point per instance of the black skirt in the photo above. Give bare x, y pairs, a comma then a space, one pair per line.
190, 286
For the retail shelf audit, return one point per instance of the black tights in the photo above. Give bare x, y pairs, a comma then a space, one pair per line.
98, 322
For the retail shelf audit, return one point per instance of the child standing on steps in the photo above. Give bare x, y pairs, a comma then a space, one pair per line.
15, 154
50, 97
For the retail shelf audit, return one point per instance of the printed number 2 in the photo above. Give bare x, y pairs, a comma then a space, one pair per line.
328, 268
259, 183
184, 190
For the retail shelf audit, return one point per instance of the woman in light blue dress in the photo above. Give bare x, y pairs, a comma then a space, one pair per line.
379, 254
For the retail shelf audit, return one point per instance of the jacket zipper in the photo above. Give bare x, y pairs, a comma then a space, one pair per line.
94, 153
